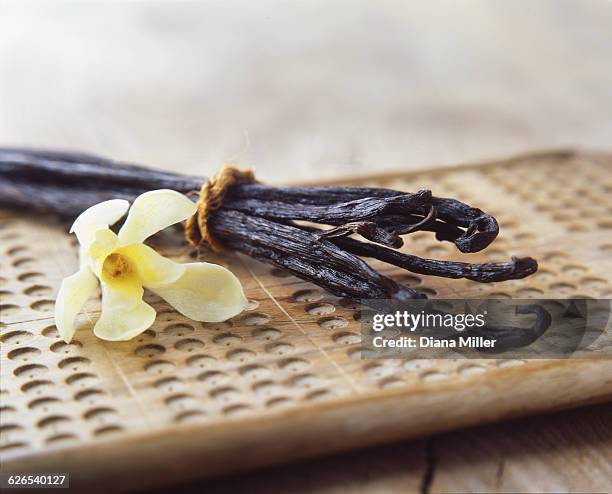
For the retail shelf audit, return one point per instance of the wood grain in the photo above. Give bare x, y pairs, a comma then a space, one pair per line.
561, 452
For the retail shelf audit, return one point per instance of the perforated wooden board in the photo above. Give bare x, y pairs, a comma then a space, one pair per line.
284, 380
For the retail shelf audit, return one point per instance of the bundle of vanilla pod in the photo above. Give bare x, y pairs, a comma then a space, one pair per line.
319, 234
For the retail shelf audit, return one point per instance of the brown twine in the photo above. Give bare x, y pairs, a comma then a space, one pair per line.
211, 197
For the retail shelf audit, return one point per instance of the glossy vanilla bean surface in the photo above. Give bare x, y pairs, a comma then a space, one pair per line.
267, 222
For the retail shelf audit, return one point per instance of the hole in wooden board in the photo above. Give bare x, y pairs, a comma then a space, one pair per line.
319, 394
391, 382
50, 332
333, 322
278, 401
90, 396
23, 354
256, 319
470, 370
254, 371
9, 309
45, 404
294, 364
280, 348
66, 348
38, 291
99, 414
189, 416
201, 361
305, 381
346, 338
307, 295
30, 277
62, 437
213, 378
53, 421
13, 445
240, 355
109, 429
189, 345
74, 363
377, 370
319, 309
149, 350
20, 249
159, 367
266, 388
236, 410
147, 335
82, 379
16, 337
433, 376
593, 282
31, 370
7, 411
225, 393
180, 329
24, 263
227, 339
267, 333
169, 384
181, 401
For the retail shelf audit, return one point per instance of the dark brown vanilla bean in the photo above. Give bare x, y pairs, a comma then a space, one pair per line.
259, 220
482, 228
88, 171
443, 231
368, 230
484, 273
334, 214
306, 255
64, 200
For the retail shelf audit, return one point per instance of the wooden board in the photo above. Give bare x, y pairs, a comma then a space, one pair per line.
284, 380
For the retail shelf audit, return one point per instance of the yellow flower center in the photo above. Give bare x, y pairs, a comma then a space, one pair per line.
116, 266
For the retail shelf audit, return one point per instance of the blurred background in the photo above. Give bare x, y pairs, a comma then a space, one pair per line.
306, 90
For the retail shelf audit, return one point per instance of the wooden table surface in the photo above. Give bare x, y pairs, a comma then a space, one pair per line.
561, 452
320, 89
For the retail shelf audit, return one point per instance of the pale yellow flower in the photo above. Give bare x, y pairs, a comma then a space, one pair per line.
124, 266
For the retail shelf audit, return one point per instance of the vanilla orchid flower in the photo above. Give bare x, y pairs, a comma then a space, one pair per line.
123, 265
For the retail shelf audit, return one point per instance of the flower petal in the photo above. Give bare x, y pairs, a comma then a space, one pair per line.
206, 292
96, 217
153, 211
104, 242
73, 293
152, 268
124, 313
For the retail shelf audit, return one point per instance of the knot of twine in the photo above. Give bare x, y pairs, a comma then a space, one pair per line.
211, 197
